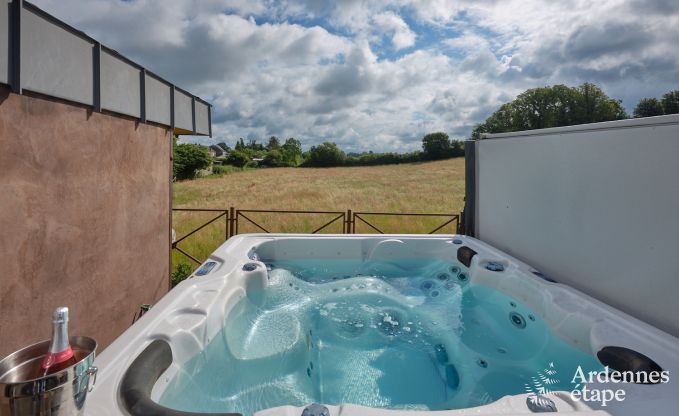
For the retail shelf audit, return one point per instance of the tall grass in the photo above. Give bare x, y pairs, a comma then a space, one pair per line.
429, 187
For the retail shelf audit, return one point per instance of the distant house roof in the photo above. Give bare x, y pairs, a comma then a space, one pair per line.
217, 150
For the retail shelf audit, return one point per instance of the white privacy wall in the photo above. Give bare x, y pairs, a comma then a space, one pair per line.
594, 206
120, 91
54, 61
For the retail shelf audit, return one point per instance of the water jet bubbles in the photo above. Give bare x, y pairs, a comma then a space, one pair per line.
441, 353
352, 327
390, 324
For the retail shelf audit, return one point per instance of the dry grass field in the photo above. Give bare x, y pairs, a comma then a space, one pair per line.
429, 187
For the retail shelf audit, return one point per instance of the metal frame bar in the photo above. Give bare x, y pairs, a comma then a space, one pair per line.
172, 88
356, 215
470, 187
233, 215
96, 78
187, 255
209, 120
193, 113
455, 218
277, 211
142, 95
342, 215
240, 214
201, 227
14, 78
359, 215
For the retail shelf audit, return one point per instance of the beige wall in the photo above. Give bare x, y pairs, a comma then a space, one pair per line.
84, 218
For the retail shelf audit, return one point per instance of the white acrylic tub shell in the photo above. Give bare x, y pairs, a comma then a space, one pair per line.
192, 313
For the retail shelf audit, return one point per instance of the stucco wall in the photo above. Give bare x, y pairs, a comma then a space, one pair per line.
84, 218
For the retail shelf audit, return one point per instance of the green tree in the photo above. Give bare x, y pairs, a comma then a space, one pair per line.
456, 148
273, 144
593, 106
238, 158
240, 144
670, 102
274, 159
436, 145
188, 159
554, 106
254, 146
648, 107
325, 155
292, 152
182, 271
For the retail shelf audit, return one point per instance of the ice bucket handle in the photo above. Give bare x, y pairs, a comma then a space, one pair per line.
92, 373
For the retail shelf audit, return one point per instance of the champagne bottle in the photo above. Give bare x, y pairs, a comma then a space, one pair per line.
60, 354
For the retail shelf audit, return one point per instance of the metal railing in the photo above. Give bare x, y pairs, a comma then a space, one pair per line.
233, 218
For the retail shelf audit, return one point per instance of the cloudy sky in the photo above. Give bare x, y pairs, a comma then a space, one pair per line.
377, 75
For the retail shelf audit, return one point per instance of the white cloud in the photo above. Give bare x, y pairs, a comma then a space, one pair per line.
319, 69
392, 25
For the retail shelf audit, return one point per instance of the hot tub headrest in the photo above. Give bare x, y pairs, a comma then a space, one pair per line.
626, 360
142, 374
465, 254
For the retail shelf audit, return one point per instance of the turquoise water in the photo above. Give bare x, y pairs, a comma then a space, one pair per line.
401, 335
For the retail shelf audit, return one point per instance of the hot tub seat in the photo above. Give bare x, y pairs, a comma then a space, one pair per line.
142, 374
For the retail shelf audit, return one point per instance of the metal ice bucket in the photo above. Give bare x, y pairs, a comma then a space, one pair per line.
24, 391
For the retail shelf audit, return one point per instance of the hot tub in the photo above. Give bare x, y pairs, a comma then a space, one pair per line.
380, 325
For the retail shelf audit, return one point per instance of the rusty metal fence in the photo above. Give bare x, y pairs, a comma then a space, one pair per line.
368, 222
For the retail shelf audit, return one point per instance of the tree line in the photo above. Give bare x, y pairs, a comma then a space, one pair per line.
189, 159
667, 104
535, 108
560, 105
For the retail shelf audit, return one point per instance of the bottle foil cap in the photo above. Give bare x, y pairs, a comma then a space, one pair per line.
60, 314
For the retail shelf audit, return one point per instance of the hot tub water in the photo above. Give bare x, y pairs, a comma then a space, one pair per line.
406, 334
